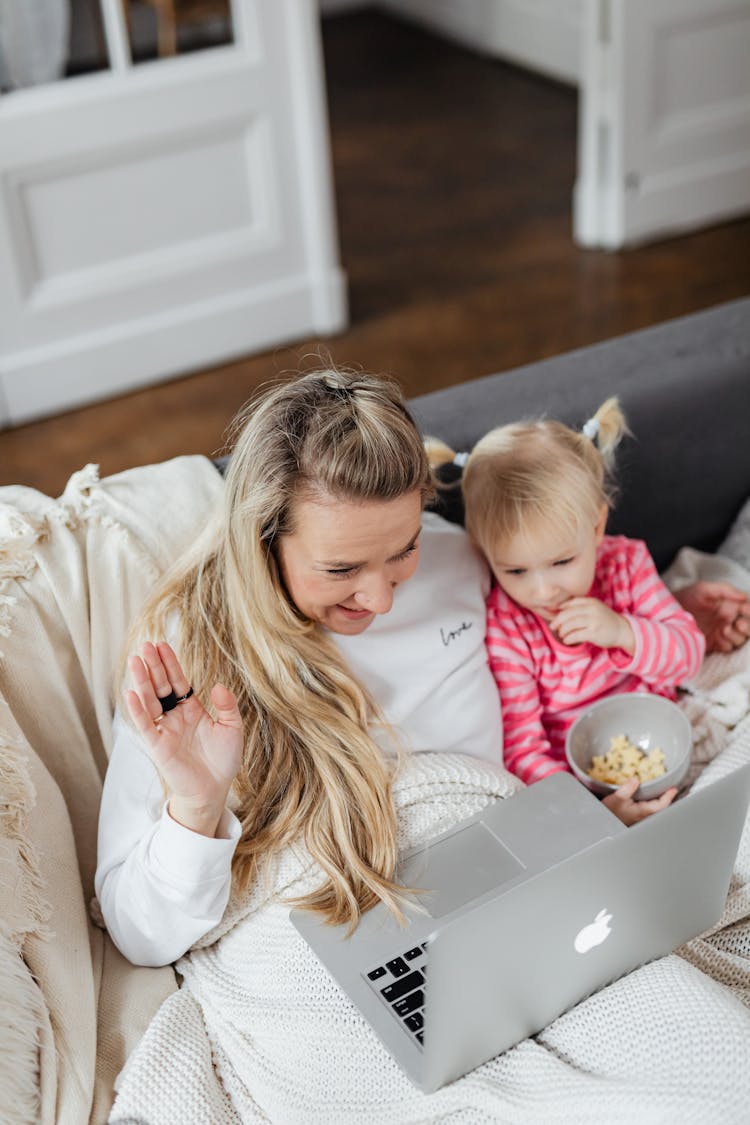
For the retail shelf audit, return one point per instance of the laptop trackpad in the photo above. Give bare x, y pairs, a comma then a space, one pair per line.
460, 868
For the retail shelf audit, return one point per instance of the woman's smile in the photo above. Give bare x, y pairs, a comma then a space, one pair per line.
353, 613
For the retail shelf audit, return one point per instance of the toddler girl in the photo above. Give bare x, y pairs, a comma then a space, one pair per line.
574, 615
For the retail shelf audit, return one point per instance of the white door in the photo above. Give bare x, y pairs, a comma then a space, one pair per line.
664, 135
159, 217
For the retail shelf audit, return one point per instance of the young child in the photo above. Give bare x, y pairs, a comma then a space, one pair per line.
574, 614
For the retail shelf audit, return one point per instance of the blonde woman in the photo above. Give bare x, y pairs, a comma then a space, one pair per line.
574, 614
303, 655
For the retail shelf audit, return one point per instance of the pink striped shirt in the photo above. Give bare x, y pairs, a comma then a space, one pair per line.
545, 684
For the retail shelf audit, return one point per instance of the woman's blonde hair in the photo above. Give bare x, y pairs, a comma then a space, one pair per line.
526, 472
311, 769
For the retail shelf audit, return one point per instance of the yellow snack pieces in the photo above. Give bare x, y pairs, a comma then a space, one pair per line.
625, 760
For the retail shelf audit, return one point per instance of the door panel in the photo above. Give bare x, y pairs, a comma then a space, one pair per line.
166, 216
664, 139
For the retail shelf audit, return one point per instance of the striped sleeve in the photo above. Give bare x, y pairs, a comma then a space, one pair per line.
669, 646
526, 749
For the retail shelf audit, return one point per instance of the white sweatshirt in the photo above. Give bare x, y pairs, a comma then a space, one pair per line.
162, 886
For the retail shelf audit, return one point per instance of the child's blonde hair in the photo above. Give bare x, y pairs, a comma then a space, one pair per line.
525, 472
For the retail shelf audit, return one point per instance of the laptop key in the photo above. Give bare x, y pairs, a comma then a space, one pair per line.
420, 1036
377, 973
397, 966
401, 986
415, 1021
409, 1003
412, 953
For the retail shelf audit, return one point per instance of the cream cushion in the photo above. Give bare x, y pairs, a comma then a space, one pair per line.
73, 573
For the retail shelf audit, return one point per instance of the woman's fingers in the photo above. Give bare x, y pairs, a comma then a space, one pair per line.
176, 678
152, 660
227, 711
142, 720
158, 678
736, 631
722, 591
144, 687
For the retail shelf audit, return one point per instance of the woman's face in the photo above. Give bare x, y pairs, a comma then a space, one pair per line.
344, 558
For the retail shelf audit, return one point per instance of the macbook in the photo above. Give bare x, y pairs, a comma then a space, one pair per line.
523, 910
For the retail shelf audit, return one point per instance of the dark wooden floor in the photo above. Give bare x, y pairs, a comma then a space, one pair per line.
454, 176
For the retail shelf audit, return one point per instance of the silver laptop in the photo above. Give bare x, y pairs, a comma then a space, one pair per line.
528, 907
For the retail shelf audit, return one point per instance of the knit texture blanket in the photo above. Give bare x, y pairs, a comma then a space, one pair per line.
260, 1032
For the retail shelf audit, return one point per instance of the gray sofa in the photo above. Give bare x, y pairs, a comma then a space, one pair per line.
685, 389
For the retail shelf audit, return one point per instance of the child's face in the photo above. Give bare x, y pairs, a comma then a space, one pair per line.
544, 567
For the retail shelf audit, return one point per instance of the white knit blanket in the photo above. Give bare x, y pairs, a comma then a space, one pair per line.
260, 1032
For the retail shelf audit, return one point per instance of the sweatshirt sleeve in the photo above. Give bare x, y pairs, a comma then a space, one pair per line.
526, 749
669, 646
160, 886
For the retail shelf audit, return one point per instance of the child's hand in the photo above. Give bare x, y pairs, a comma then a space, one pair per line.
588, 619
627, 810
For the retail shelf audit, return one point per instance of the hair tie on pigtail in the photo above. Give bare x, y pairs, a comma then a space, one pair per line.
591, 429
460, 459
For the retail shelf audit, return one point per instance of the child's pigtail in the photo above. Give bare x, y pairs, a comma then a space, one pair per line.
438, 453
606, 429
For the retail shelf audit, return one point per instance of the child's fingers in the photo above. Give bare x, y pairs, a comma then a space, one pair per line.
575, 628
623, 794
572, 603
562, 619
648, 808
660, 802
576, 637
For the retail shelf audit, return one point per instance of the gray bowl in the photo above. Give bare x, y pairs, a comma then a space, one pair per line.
648, 721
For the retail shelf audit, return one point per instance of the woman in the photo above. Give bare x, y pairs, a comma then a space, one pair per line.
295, 617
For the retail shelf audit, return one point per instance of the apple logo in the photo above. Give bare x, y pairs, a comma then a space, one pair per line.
595, 933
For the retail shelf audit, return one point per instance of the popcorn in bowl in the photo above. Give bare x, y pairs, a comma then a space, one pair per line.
624, 760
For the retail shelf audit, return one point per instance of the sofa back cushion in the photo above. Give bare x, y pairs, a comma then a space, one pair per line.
685, 389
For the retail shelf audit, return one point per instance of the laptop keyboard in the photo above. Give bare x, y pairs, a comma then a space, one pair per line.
401, 983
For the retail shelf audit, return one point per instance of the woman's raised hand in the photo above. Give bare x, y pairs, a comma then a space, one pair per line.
197, 756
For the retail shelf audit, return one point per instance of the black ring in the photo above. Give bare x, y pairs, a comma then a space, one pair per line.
182, 698
168, 702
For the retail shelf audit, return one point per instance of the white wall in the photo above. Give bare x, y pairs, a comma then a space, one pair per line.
541, 34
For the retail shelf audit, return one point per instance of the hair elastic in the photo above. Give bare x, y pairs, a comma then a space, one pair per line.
591, 428
460, 459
